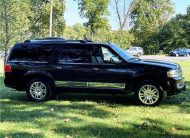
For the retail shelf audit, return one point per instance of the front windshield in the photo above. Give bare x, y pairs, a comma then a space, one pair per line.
122, 53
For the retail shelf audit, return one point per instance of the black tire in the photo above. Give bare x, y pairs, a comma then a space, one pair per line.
139, 54
35, 94
156, 90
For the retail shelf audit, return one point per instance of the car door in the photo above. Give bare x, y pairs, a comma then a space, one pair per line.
182, 52
73, 65
108, 67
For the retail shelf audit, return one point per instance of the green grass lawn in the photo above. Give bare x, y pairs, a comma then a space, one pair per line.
99, 116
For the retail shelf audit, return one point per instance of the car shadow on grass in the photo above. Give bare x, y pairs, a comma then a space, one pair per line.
20, 135
98, 98
181, 100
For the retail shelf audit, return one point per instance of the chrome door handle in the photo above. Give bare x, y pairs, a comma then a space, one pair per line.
58, 67
95, 69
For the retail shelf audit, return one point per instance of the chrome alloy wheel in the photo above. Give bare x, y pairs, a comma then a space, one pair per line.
38, 90
148, 94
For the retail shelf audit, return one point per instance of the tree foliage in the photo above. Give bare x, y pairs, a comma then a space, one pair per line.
13, 22
77, 31
147, 17
176, 33
96, 12
151, 24
39, 17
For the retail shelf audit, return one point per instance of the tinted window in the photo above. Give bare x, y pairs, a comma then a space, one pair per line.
75, 54
32, 52
103, 55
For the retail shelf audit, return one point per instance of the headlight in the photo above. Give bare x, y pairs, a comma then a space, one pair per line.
174, 73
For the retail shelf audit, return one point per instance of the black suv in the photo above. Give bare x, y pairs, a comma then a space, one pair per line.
43, 65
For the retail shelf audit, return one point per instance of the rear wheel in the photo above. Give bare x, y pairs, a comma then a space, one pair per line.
39, 90
149, 94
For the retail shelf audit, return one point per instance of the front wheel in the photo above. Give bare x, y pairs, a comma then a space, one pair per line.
138, 54
38, 90
149, 94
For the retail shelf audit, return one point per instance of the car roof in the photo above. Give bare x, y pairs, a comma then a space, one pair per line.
60, 41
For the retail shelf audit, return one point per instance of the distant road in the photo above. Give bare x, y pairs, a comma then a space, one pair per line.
166, 58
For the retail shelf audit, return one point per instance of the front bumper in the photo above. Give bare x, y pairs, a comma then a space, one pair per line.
176, 85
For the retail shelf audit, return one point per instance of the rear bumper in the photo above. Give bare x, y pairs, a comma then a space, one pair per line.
8, 83
12, 82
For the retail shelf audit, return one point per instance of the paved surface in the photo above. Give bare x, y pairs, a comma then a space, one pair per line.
166, 58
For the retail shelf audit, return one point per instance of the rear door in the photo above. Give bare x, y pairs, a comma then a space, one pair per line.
73, 66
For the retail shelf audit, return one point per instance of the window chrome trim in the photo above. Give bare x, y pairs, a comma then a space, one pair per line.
24, 61
88, 64
77, 84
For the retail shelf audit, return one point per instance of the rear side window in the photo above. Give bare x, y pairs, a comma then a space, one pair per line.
140, 48
32, 53
75, 54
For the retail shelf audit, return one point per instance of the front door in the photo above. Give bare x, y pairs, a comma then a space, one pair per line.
108, 66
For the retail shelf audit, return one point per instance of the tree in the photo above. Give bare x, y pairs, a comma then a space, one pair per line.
123, 11
40, 15
147, 17
13, 22
95, 11
122, 38
77, 31
175, 34
5, 17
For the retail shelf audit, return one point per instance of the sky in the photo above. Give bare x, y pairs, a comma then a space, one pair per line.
72, 13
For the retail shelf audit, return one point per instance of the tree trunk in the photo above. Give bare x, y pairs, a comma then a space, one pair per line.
6, 29
123, 15
6, 52
50, 19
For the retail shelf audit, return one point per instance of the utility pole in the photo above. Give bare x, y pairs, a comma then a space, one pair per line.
50, 20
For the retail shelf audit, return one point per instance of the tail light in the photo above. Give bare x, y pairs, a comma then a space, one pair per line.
7, 68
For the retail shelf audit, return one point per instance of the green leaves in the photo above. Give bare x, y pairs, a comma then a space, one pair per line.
76, 31
147, 17
175, 33
39, 17
95, 12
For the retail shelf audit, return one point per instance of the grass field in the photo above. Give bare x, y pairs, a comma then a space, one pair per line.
97, 116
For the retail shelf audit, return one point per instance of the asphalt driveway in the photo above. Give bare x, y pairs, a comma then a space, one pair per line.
166, 58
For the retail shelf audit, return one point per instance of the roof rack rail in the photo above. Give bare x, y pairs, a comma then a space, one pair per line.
54, 39
81, 41
50, 38
45, 39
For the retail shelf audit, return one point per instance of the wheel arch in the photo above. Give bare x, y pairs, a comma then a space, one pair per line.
38, 75
148, 78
